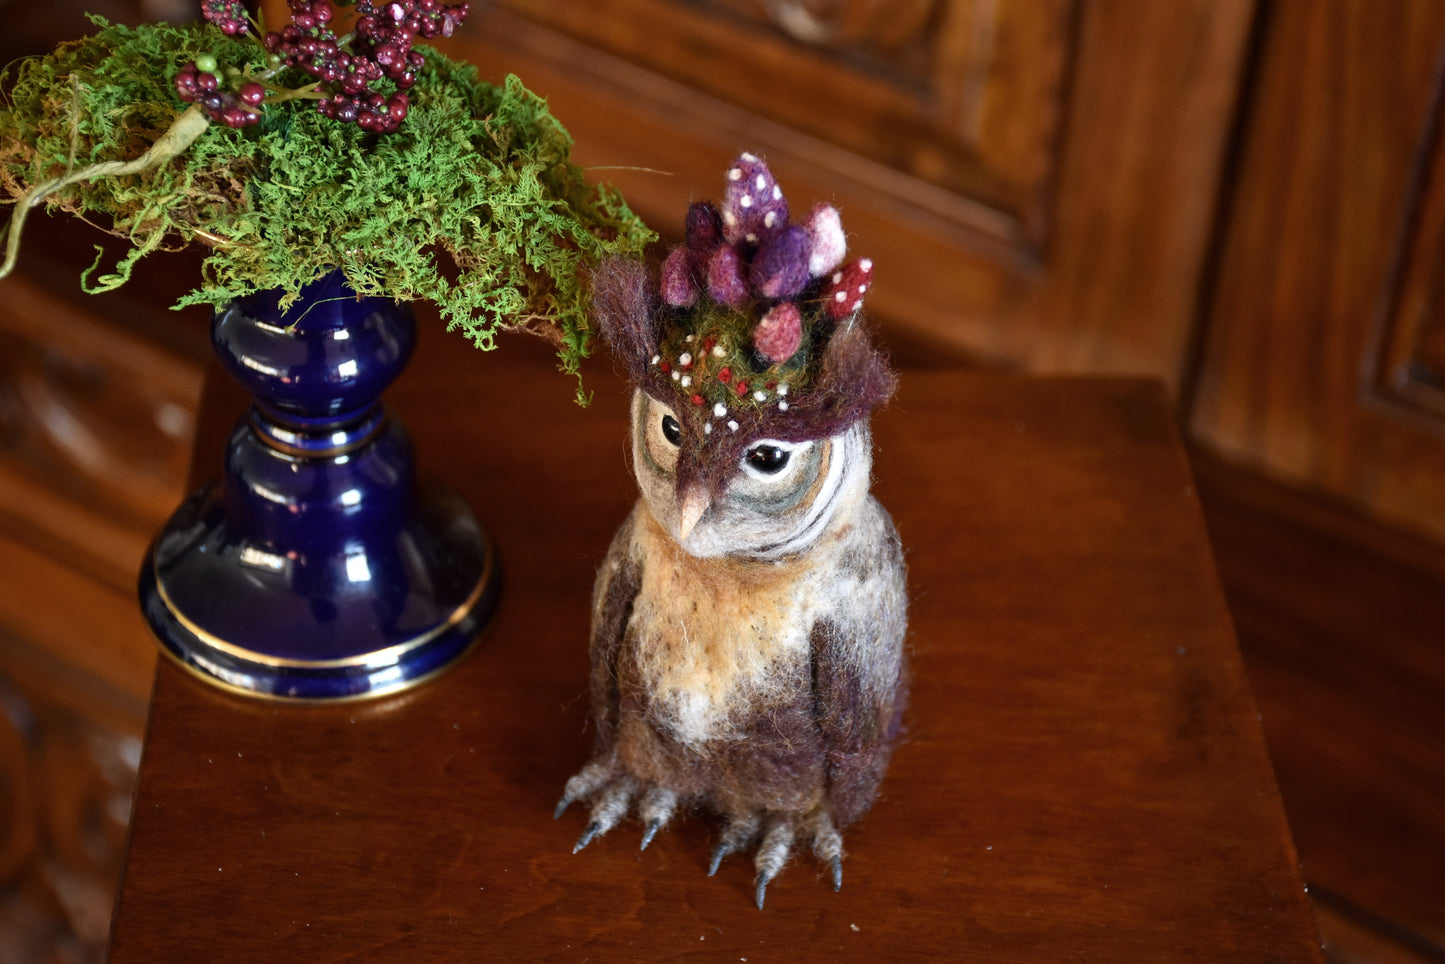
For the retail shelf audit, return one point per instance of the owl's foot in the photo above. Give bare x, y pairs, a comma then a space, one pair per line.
778, 833
611, 791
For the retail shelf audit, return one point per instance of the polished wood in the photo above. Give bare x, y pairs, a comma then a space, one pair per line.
1083, 776
1040, 193
1319, 333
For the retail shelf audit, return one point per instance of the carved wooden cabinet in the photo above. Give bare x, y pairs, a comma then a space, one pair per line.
1325, 364
1035, 178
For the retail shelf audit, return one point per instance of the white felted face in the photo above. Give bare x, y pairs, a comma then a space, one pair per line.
781, 497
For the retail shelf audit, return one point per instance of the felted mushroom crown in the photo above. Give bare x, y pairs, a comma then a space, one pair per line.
754, 330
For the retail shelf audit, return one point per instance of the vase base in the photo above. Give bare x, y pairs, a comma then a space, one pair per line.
247, 628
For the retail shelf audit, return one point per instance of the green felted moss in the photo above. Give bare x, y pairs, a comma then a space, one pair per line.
473, 204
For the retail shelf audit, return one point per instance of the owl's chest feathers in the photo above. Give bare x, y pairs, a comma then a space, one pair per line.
714, 640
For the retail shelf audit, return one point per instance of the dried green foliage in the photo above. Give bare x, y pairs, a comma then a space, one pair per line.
473, 204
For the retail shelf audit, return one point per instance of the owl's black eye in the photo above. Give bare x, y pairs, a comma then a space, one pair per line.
671, 430
768, 458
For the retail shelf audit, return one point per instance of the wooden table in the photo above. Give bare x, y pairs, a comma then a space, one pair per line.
1083, 778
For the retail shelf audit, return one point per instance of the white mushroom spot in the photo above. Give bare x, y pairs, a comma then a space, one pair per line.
777, 193
689, 338
782, 405
760, 396
752, 238
729, 218
656, 359
684, 359
862, 289
837, 277
676, 375
840, 297
732, 426
736, 174
783, 389
719, 409
750, 158
717, 351
707, 428
770, 219
866, 264
746, 202
762, 183
687, 381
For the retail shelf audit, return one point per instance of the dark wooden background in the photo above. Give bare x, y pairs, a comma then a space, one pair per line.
1243, 198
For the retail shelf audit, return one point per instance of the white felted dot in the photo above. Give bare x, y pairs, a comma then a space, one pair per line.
719, 409
707, 428
750, 158
656, 359
747, 201
777, 193
770, 219
837, 277
676, 375
732, 426
782, 406
783, 389
862, 289
866, 264
686, 358
760, 396
752, 239
730, 218
762, 183
687, 381
736, 174
840, 296
689, 338
717, 351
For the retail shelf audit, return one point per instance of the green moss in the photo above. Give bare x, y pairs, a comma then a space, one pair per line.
473, 204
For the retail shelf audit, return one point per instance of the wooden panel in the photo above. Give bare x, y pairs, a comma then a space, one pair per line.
1035, 182
1332, 246
964, 96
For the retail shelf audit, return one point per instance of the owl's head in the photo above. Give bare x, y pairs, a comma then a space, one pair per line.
754, 373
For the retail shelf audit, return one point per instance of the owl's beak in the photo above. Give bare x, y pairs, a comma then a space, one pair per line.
694, 503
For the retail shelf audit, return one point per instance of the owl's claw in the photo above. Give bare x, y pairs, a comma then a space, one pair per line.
773, 853
591, 778
656, 809
739, 832
611, 806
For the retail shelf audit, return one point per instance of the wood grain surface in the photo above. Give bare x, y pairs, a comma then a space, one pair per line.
1083, 778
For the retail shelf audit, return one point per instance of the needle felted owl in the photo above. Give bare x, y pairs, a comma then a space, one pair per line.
748, 621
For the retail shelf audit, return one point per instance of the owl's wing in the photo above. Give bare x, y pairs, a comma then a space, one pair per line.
859, 678
618, 581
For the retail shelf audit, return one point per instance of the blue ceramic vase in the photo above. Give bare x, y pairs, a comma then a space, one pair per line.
316, 568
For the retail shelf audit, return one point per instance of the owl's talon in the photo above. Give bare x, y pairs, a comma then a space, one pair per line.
593, 831
718, 853
773, 853
656, 809
739, 832
610, 806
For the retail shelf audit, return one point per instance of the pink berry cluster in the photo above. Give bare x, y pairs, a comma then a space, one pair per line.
750, 253
229, 15
201, 82
380, 48
363, 77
